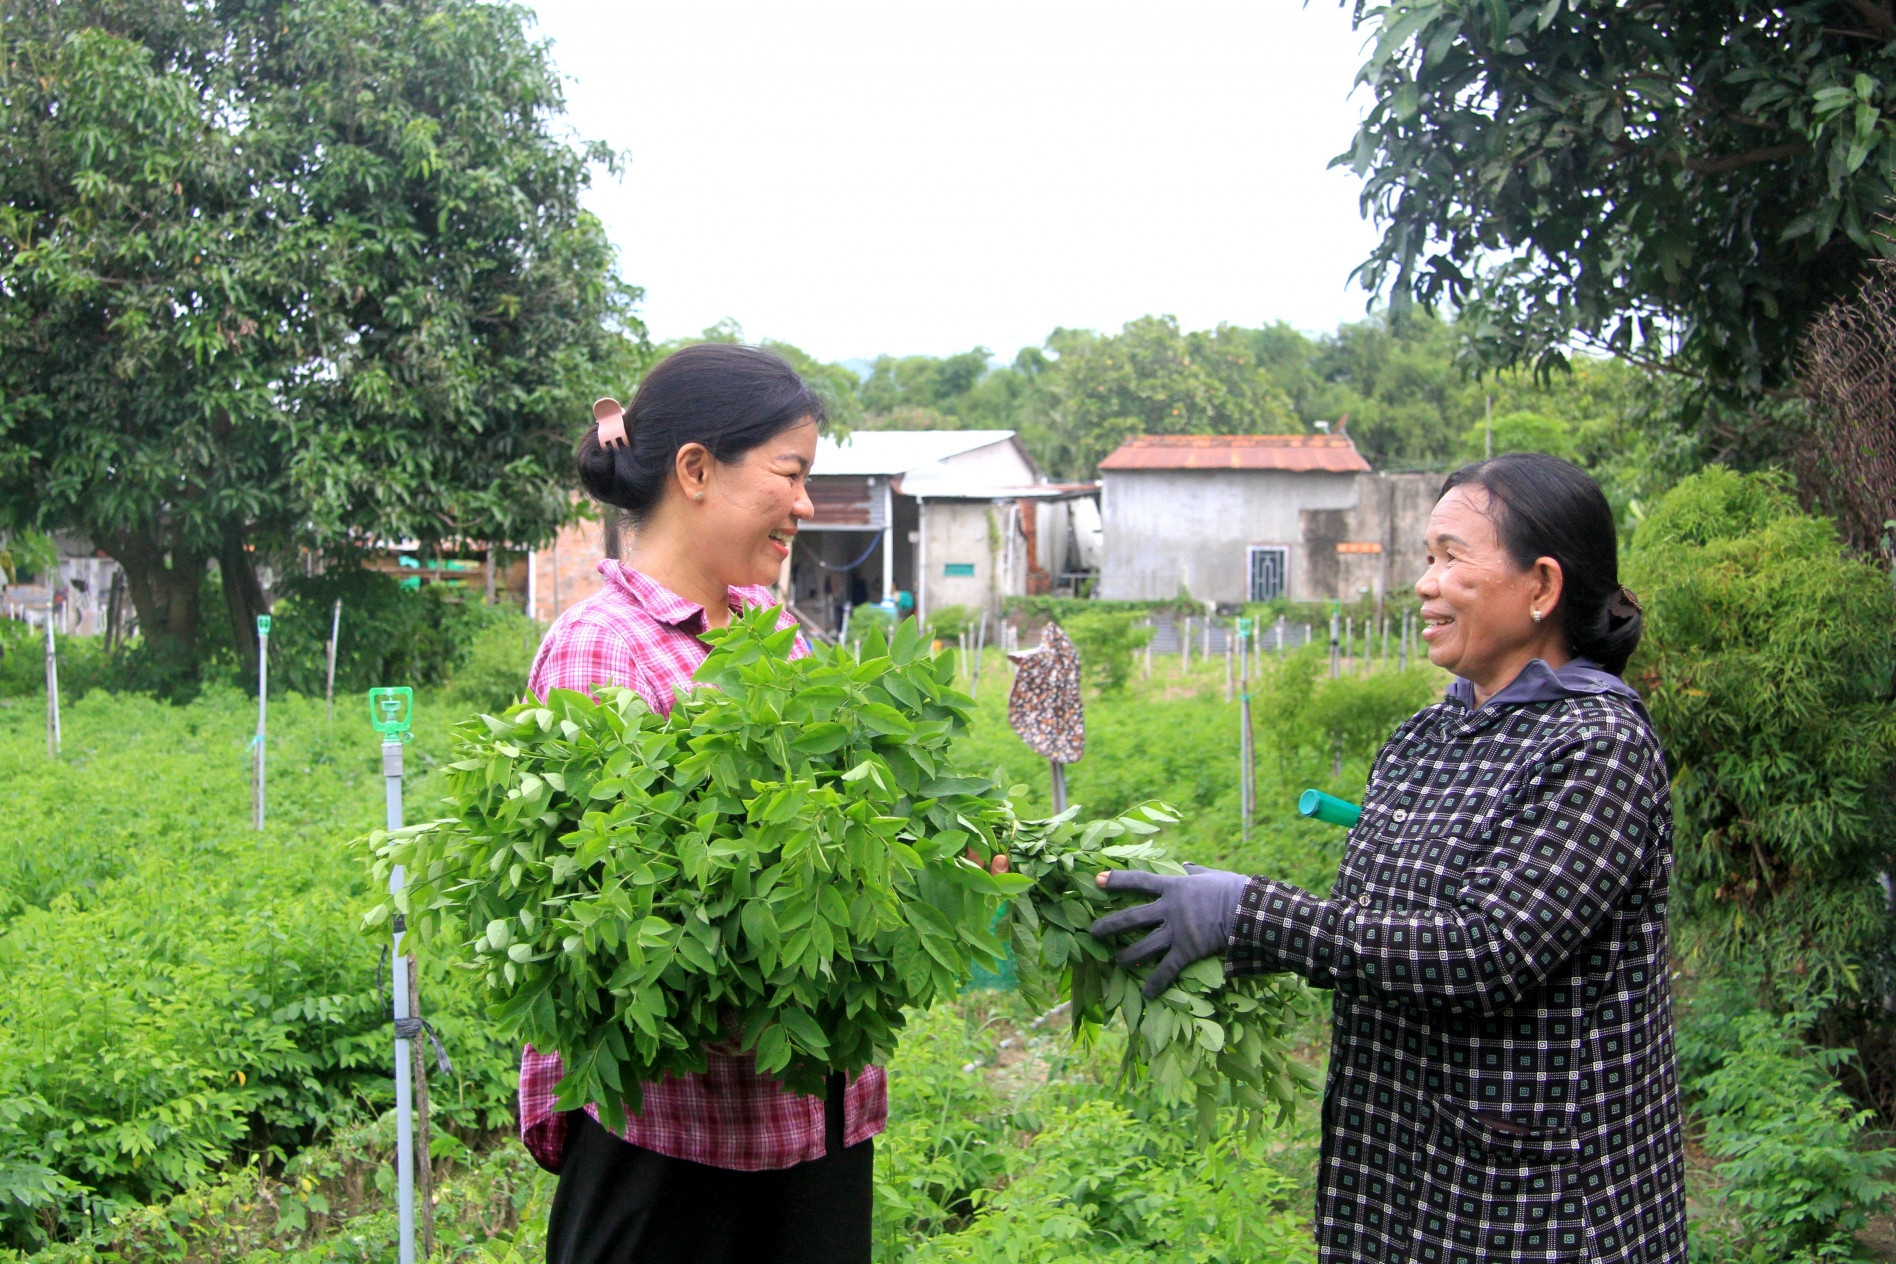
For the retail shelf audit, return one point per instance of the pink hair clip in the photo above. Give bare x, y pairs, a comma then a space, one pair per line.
611, 419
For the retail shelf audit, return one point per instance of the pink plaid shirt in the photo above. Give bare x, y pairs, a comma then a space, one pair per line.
637, 633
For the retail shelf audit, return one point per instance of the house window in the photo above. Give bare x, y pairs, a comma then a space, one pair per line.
1270, 571
958, 570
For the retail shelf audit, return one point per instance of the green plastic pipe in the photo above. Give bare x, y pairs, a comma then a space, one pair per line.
1328, 808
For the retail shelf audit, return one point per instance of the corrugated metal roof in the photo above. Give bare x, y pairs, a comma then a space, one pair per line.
1329, 454
898, 451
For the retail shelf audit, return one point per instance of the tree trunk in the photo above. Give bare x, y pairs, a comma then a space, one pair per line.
165, 587
243, 593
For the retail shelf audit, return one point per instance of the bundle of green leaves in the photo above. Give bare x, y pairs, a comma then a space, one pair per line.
1208, 1040
784, 864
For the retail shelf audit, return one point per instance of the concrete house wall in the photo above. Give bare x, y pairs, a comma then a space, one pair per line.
1194, 527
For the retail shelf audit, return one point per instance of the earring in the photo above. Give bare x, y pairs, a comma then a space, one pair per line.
1535, 615
700, 496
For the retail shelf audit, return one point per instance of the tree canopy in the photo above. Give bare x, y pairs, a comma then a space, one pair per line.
1687, 180
290, 274
1398, 391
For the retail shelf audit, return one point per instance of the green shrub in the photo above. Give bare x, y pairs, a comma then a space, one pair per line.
1108, 642
492, 672
950, 623
83, 663
1768, 664
177, 990
1098, 1184
870, 618
1796, 1180
390, 635
950, 1132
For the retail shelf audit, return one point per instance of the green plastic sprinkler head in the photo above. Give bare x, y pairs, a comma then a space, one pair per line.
392, 710
1328, 808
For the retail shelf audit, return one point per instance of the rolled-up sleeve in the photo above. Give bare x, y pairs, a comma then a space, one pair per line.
1549, 871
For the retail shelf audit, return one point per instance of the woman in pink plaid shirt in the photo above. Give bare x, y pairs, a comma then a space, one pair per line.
709, 465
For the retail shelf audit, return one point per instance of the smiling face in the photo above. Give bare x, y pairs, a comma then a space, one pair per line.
746, 512
1478, 604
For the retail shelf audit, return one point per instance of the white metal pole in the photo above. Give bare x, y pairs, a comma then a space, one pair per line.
980, 645
888, 539
1230, 648
921, 562
52, 689
1247, 786
404, 1057
263, 708
335, 634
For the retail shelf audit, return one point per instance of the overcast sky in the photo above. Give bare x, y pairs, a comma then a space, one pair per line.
868, 176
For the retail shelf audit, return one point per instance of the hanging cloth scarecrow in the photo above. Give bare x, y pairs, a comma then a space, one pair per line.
1044, 707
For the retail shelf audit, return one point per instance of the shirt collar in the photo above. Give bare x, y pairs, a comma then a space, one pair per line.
1540, 683
659, 601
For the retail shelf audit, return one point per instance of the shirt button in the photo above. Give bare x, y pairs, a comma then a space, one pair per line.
1363, 899
1401, 814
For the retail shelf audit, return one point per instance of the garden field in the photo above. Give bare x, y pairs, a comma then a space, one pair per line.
193, 1048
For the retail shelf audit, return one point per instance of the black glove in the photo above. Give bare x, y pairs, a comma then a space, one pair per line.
1197, 910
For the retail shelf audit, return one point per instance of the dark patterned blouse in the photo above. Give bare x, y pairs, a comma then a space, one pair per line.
1502, 1082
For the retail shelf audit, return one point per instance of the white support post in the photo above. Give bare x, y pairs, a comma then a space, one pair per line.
263, 712
335, 634
921, 562
404, 1057
52, 690
888, 539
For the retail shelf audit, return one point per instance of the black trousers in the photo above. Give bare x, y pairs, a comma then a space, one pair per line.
618, 1203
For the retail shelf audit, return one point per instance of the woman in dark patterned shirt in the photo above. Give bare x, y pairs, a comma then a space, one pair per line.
1502, 1082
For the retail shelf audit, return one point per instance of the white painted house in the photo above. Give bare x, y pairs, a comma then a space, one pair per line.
1236, 518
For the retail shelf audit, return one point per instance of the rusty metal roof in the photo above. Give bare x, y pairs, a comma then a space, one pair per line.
1328, 454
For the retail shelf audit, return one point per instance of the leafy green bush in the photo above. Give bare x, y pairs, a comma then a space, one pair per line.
83, 663
492, 673
950, 1132
390, 634
1796, 1180
869, 618
1098, 1184
950, 623
178, 990
1108, 642
1768, 664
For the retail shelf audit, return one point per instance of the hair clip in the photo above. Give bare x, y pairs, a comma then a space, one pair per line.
1624, 604
611, 419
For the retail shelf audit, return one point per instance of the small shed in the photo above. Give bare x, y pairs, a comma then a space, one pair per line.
954, 517
1236, 518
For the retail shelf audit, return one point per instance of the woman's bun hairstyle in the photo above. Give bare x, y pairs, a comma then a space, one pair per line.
728, 397
1546, 507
